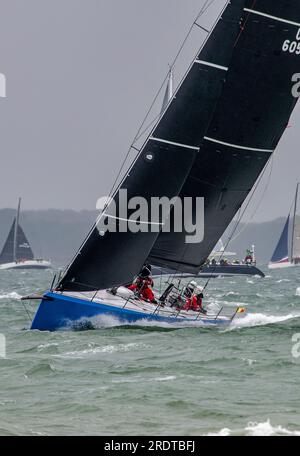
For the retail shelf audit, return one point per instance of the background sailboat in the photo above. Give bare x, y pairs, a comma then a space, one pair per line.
287, 251
221, 263
16, 252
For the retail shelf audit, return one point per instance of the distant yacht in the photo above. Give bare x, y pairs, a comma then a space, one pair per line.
287, 253
16, 252
219, 266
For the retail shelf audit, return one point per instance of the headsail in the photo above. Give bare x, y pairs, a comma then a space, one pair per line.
248, 51
23, 250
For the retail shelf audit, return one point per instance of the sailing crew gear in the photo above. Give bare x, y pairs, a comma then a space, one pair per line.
189, 289
146, 271
142, 288
195, 303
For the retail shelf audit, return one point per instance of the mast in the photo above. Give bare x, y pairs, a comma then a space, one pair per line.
253, 254
16, 231
294, 221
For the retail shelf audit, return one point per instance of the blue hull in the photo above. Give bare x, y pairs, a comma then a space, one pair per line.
57, 311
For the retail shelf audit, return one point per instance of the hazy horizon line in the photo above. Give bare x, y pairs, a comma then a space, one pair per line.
78, 211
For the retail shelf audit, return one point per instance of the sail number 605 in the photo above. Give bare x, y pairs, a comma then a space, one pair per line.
291, 46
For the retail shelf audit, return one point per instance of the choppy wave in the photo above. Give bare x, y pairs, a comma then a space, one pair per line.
139, 379
189, 373
260, 319
92, 350
11, 295
264, 429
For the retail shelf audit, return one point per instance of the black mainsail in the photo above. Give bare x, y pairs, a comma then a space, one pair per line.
213, 141
248, 121
16, 246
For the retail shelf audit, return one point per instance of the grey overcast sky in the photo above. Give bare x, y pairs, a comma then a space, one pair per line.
80, 76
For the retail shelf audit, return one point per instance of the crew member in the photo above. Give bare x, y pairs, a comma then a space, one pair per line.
189, 289
142, 285
195, 302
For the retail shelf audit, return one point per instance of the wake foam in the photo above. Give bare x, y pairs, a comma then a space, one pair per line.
12, 295
247, 321
108, 321
260, 319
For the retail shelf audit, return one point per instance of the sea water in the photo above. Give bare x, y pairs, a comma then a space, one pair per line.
145, 379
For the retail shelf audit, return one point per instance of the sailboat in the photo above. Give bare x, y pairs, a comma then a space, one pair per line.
287, 254
16, 252
213, 140
218, 266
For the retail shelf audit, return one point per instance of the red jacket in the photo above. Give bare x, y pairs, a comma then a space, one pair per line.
194, 303
142, 286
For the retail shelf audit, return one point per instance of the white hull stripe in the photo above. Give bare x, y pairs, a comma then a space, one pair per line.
279, 19
203, 62
174, 143
235, 146
132, 221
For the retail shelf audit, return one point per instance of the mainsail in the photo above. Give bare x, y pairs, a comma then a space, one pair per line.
248, 51
288, 247
281, 252
21, 246
213, 140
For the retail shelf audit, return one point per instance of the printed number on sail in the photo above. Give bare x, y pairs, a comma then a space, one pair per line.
292, 46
